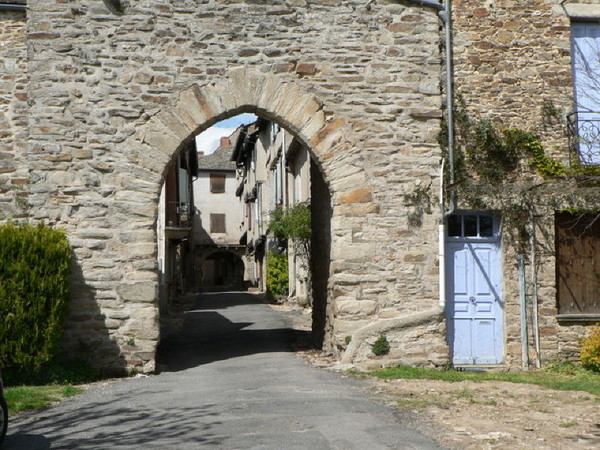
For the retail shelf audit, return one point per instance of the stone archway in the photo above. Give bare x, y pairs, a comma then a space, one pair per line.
156, 143
221, 269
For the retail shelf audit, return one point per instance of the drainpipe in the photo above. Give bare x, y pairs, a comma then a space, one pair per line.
445, 14
442, 243
12, 7
534, 297
523, 308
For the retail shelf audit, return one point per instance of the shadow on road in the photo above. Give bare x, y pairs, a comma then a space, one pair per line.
130, 427
226, 325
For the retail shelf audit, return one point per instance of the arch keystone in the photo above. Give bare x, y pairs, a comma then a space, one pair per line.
287, 99
243, 85
267, 94
219, 99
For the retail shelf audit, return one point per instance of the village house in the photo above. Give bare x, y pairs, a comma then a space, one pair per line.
274, 173
175, 228
474, 244
220, 258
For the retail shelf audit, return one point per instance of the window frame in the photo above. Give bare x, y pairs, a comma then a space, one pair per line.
575, 261
215, 179
217, 219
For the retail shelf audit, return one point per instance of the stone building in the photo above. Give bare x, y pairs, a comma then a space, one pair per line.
530, 65
273, 173
99, 98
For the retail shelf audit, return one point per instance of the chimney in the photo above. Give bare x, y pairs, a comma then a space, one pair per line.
225, 142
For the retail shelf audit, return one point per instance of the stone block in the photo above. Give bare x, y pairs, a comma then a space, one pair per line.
175, 124
193, 105
144, 292
360, 195
356, 307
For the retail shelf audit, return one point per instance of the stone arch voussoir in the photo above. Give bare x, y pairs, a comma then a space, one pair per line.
246, 90
327, 135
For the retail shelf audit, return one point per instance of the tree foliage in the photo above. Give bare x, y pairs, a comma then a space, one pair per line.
292, 223
35, 274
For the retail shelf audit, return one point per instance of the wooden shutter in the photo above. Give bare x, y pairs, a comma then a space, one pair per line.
217, 223
578, 263
217, 183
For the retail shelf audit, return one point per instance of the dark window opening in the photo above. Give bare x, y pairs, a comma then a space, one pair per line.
471, 226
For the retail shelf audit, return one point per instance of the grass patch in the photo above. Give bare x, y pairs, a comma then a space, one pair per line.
24, 398
29, 390
567, 377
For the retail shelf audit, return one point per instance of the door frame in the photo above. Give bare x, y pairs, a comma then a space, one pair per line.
485, 234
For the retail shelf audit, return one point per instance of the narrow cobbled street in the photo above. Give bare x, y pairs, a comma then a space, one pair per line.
228, 380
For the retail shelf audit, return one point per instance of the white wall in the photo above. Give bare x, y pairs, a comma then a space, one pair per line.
208, 203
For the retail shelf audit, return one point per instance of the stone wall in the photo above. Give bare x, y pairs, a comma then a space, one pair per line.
13, 115
112, 99
511, 59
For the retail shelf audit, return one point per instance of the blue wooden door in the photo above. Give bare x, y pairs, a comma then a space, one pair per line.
585, 38
474, 302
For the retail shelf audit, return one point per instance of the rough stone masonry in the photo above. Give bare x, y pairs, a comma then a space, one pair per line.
97, 104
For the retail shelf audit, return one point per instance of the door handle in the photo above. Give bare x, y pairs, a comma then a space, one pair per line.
473, 300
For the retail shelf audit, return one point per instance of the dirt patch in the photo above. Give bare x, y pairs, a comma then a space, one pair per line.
499, 414
490, 414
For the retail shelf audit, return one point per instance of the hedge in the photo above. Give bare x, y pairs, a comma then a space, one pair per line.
35, 274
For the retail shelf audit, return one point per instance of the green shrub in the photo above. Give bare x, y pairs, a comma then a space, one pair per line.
292, 223
35, 274
590, 351
277, 273
381, 346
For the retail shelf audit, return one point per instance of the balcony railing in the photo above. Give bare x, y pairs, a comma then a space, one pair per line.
179, 214
584, 136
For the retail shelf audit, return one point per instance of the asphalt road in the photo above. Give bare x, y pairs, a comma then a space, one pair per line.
229, 381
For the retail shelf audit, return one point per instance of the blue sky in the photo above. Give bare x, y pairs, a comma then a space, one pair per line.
208, 141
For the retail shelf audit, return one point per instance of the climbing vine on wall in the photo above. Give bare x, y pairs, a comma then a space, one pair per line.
507, 170
419, 199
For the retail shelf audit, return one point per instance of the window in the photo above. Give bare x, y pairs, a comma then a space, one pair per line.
217, 183
217, 223
578, 262
585, 45
471, 225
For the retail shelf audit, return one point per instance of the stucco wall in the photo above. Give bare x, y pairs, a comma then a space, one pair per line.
208, 203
